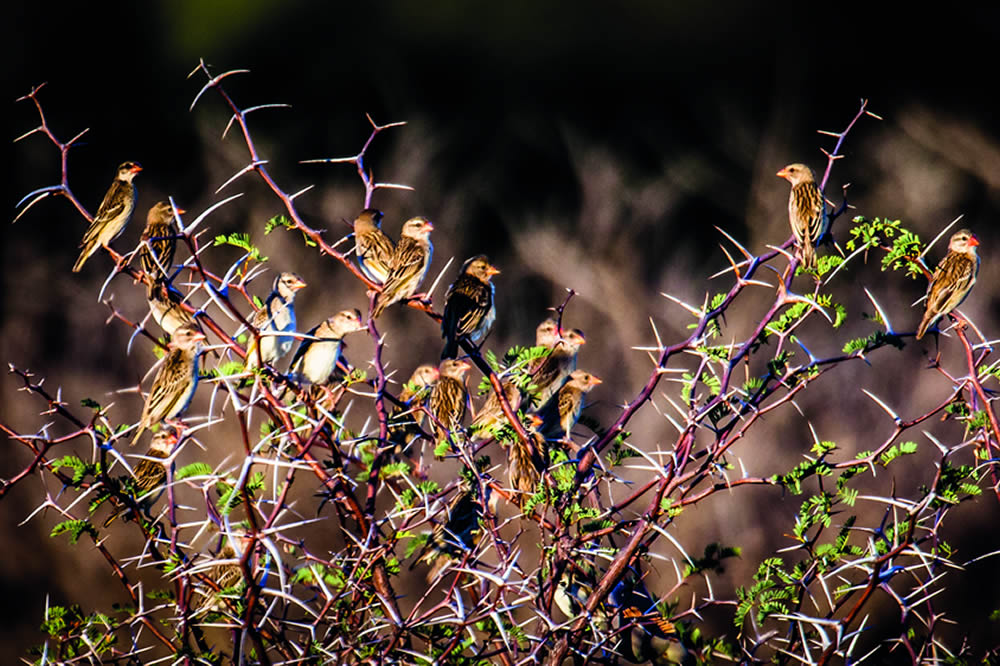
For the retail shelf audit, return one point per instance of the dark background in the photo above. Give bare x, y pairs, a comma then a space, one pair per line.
587, 145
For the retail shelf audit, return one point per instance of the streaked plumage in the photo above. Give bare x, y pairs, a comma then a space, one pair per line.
277, 315
571, 594
315, 360
469, 308
149, 474
409, 264
806, 211
372, 247
226, 574
490, 417
524, 464
175, 382
952, 280
112, 215
652, 639
561, 414
158, 245
447, 402
165, 304
557, 366
405, 421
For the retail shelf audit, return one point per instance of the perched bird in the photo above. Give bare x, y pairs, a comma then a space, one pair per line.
165, 304
447, 402
561, 414
806, 211
554, 369
112, 215
652, 639
952, 280
175, 382
225, 574
277, 315
490, 417
408, 266
406, 421
459, 532
157, 245
315, 360
525, 463
572, 593
372, 247
547, 334
469, 309
149, 473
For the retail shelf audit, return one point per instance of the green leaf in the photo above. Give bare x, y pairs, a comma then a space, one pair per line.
194, 469
74, 528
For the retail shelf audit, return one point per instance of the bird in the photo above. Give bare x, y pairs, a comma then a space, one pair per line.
572, 593
652, 639
561, 413
491, 417
553, 370
149, 473
408, 265
372, 247
469, 308
277, 315
158, 244
224, 574
547, 334
165, 304
447, 402
175, 382
315, 360
112, 215
806, 211
526, 460
407, 418
952, 280
459, 532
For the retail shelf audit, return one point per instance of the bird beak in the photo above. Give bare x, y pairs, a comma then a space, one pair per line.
594, 381
492, 270
180, 211
783, 173
429, 226
535, 421
298, 284
136, 168
973, 241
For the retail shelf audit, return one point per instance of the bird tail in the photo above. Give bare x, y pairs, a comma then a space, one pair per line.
808, 256
82, 259
925, 323
450, 348
138, 434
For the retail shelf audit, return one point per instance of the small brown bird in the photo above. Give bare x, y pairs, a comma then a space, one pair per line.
652, 639
557, 366
806, 211
315, 360
547, 334
561, 414
112, 215
158, 244
524, 463
447, 402
149, 474
372, 247
406, 421
226, 574
277, 315
952, 280
572, 593
490, 417
469, 308
408, 266
165, 304
175, 382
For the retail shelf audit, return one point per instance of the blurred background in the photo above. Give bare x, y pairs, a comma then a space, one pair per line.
592, 146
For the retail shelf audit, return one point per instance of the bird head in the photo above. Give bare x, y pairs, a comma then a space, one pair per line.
796, 173
288, 283
417, 228
964, 242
